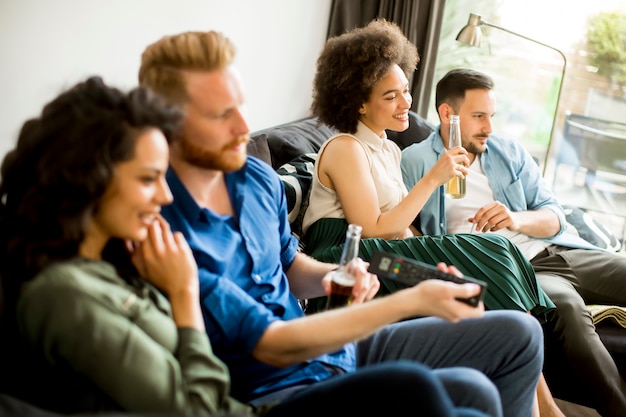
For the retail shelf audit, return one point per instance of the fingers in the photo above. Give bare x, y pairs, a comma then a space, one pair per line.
161, 239
488, 217
365, 289
326, 282
454, 271
168, 237
459, 156
155, 244
460, 308
130, 246
167, 259
495, 222
450, 269
373, 289
444, 299
455, 162
181, 242
366, 285
159, 244
469, 290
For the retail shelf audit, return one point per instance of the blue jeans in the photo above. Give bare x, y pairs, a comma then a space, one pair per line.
385, 389
505, 346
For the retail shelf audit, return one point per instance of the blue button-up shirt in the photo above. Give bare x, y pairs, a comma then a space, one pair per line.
242, 261
513, 176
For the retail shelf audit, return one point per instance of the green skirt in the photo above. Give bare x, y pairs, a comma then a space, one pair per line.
512, 284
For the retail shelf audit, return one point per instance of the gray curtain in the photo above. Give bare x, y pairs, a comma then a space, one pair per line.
419, 19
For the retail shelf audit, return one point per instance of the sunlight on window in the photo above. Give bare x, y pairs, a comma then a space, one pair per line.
527, 77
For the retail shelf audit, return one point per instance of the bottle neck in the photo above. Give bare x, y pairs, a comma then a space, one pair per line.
351, 245
454, 138
350, 250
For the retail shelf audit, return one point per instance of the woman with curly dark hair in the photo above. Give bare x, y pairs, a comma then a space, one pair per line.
79, 221
361, 89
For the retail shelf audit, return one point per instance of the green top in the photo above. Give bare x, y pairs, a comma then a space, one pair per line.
101, 344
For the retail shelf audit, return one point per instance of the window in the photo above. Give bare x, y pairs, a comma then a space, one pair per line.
527, 76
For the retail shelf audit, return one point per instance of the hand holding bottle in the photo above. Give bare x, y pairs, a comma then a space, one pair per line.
449, 165
343, 279
366, 284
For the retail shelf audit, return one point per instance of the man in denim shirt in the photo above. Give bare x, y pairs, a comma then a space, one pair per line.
506, 194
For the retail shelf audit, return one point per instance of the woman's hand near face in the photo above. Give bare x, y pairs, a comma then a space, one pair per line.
165, 260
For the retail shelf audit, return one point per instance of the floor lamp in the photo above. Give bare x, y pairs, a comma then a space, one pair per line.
472, 34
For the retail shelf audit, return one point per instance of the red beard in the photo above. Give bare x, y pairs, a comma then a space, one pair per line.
226, 159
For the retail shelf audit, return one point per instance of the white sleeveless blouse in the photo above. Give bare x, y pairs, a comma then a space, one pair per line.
384, 161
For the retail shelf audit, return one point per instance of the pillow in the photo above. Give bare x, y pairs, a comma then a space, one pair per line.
290, 140
259, 147
297, 176
590, 230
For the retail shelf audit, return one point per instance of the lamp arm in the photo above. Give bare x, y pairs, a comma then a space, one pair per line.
558, 97
550, 142
527, 38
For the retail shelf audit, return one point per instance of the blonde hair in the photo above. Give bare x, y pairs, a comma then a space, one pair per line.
164, 63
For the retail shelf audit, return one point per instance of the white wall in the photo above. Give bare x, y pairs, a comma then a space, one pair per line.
48, 45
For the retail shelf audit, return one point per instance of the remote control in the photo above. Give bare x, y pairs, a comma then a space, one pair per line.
410, 272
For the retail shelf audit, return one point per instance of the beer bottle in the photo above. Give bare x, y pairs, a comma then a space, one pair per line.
342, 281
455, 188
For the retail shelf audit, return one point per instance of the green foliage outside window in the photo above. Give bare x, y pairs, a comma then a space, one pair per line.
606, 40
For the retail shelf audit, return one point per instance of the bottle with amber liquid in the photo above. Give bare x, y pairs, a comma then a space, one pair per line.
342, 281
455, 188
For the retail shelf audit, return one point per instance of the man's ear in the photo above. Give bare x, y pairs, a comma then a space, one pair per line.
445, 111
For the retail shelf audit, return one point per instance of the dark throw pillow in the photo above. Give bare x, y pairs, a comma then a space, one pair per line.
290, 140
259, 148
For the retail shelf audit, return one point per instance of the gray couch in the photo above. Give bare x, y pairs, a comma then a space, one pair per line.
291, 149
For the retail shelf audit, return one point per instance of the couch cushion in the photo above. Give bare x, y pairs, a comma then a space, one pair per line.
291, 140
589, 229
297, 176
259, 148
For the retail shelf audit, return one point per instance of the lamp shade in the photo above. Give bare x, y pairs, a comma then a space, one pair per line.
471, 33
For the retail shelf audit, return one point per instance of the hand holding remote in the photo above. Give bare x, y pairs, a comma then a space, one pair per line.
410, 272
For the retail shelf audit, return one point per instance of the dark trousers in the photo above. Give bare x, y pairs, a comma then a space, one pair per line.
385, 389
573, 278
